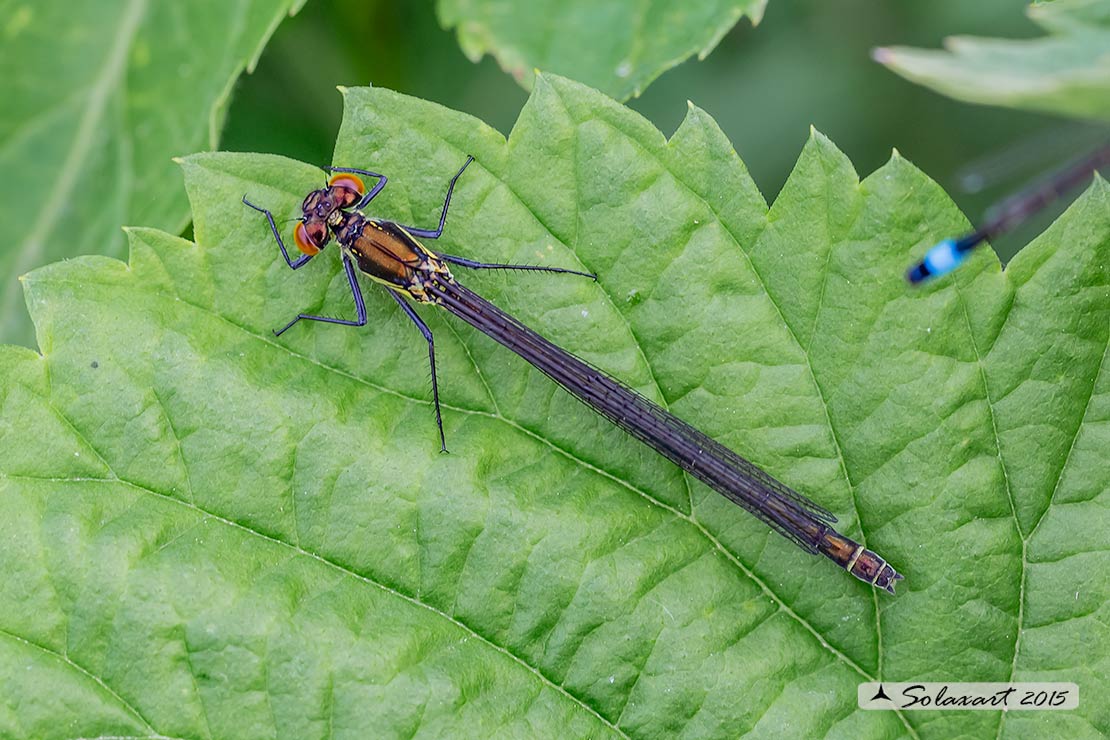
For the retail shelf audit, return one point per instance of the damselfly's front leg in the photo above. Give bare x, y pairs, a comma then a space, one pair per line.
300, 261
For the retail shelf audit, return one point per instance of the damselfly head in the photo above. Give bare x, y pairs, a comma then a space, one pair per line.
343, 191
319, 204
322, 208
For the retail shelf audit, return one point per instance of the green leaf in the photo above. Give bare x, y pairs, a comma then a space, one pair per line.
98, 97
617, 47
207, 531
1066, 72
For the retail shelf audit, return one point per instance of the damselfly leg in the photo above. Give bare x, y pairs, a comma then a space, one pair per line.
435, 233
471, 264
356, 292
411, 312
300, 261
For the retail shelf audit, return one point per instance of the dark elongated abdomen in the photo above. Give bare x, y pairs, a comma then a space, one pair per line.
788, 512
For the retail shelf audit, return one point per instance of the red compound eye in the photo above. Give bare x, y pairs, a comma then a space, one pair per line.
310, 238
347, 189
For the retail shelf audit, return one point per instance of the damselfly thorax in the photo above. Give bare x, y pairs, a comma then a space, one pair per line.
387, 253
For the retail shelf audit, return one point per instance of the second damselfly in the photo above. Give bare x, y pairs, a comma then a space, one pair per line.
947, 255
390, 254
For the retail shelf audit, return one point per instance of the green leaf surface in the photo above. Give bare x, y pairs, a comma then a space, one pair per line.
208, 531
98, 97
1066, 72
618, 47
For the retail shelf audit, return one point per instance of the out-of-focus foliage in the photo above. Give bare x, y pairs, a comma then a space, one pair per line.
618, 46
807, 63
1066, 72
97, 99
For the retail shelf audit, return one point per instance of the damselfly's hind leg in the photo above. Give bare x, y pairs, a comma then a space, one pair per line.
473, 265
431, 359
356, 292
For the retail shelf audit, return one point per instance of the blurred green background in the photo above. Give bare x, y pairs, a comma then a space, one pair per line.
807, 63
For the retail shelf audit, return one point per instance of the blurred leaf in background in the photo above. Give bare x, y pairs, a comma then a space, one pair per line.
209, 532
98, 97
616, 47
807, 64
1066, 72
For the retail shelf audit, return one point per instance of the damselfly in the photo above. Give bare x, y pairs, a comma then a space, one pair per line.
948, 254
389, 253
